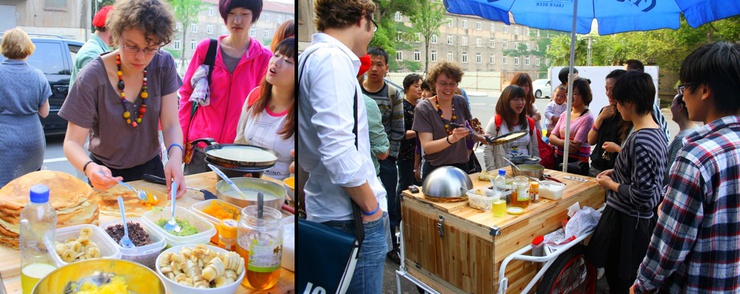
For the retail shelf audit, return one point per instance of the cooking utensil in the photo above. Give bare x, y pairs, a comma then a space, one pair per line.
139, 278
97, 279
530, 170
213, 157
447, 184
172, 225
227, 180
207, 195
274, 192
525, 159
513, 166
125, 240
139, 193
506, 137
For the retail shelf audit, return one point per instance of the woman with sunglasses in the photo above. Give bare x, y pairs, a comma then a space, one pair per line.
120, 99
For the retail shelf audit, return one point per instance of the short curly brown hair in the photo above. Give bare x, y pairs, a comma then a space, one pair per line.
153, 17
451, 70
339, 14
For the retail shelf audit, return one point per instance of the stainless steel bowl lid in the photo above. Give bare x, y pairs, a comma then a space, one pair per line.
447, 182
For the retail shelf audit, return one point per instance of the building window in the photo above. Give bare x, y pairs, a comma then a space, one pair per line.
503, 60
493, 27
193, 28
210, 29
464, 41
434, 39
506, 45
516, 60
478, 58
266, 34
526, 60
398, 16
492, 43
528, 47
210, 11
55, 4
253, 32
178, 27
192, 44
449, 22
464, 57
506, 29
398, 38
450, 39
478, 42
399, 55
537, 61
177, 45
492, 59
450, 57
417, 55
478, 25
266, 16
464, 23
433, 56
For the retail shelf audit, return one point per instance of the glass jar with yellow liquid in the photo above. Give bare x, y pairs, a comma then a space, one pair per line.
520, 192
260, 243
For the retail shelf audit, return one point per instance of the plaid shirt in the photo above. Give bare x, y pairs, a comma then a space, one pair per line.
695, 247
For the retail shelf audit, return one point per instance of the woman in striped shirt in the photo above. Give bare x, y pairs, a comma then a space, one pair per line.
633, 187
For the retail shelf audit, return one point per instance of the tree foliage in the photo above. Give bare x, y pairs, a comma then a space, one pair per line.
186, 12
426, 21
389, 30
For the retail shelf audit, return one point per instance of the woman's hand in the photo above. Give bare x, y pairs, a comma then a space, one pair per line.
460, 133
574, 145
611, 147
606, 112
101, 177
605, 180
173, 171
417, 175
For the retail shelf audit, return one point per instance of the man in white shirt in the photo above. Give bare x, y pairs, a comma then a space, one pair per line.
334, 145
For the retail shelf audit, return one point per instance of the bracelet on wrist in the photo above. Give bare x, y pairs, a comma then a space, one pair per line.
593, 127
84, 167
372, 212
448, 140
182, 151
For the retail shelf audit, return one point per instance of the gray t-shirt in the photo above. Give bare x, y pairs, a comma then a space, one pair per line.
427, 120
93, 103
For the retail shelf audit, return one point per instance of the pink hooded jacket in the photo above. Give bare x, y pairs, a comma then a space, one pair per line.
228, 93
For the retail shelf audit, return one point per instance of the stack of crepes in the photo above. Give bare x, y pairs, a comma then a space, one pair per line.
72, 199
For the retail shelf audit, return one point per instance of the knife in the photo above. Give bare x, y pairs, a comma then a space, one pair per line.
207, 195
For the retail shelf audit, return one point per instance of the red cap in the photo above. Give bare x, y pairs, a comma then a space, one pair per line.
101, 16
538, 240
366, 63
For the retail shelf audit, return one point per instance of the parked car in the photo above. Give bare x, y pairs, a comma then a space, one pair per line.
54, 56
541, 88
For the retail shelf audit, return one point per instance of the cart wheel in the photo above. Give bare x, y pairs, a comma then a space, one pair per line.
570, 273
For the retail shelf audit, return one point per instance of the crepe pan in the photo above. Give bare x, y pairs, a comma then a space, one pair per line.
506, 138
234, 164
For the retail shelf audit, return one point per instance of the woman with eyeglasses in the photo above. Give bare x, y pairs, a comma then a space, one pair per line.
239, 66
120, 99
510, 117
441, 121
581, 121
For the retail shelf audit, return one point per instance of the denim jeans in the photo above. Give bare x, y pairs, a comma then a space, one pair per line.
368, 276
389, 178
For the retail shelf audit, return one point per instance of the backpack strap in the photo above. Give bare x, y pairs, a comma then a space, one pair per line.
211, 58
497, 121
392, 93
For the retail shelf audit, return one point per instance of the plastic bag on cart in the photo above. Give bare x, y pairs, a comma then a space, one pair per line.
582, 221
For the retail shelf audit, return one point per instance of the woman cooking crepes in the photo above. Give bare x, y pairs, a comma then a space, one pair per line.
121, 97
510, 117
443, 144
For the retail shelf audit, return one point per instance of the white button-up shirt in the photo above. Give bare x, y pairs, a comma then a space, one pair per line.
326, 144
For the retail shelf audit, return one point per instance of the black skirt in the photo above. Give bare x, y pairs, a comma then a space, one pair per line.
621, 234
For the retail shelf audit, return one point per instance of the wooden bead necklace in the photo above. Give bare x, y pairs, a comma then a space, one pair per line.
444, 121
143, 94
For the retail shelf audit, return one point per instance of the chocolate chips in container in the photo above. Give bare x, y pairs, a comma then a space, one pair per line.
135, 231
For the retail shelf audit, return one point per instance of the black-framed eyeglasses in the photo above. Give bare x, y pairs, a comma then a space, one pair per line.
135, 50
683, 86
374, 24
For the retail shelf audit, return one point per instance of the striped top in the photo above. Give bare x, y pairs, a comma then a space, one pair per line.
639, 170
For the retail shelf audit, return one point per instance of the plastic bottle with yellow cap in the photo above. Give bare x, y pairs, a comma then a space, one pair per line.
227, 234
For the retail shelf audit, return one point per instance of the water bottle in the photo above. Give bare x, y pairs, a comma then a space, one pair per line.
37, 223
500, 181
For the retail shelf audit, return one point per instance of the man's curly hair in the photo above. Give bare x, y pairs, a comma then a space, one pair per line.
339, 14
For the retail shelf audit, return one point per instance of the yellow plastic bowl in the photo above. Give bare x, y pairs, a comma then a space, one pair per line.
139, 279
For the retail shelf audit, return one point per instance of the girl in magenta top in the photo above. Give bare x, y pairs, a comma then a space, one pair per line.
581, 121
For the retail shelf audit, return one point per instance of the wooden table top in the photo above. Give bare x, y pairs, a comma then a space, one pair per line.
10, 263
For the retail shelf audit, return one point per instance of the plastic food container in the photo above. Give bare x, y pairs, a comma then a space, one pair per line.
205, 229
146, 254
198, 208
107, 247
551, 190
479, 198
173, 287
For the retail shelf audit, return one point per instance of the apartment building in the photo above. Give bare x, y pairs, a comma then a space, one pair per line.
211, 25
66, 18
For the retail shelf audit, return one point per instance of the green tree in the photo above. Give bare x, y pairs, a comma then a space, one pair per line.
186, 11
391, 34
427, 20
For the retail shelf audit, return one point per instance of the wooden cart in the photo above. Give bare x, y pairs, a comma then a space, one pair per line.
454, 248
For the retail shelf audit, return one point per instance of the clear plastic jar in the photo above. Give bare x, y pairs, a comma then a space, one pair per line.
227, 234
259, 242
520, 192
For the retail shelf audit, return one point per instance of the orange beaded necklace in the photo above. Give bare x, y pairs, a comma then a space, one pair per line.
143, 94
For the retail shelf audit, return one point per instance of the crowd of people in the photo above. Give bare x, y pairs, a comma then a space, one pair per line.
429, 126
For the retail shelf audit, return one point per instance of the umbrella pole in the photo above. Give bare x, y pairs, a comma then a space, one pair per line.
569, 103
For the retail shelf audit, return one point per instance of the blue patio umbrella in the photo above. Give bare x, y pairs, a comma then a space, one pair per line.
612, 16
